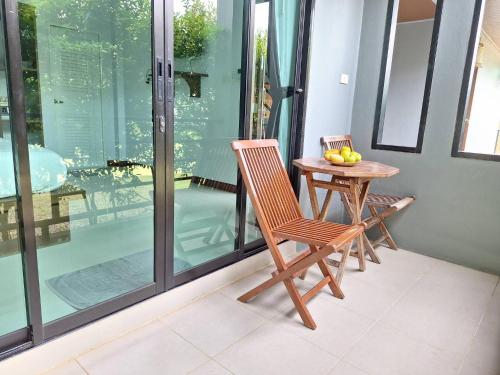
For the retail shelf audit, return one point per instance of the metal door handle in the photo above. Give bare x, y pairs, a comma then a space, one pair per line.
299, 91
160, 90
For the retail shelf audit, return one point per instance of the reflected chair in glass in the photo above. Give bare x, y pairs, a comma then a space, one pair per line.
205, 210
381, 206
280, 217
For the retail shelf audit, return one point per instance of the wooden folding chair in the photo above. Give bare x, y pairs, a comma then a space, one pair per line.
381, 206
280, 218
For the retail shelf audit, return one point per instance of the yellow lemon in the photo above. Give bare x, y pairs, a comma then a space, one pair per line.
327, 154
336, 158
351, 159
345, 154
357, 155
335, 151
345, 148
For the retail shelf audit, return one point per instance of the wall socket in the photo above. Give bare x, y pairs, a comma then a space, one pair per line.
344, 79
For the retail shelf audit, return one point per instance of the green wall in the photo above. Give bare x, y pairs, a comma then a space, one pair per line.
457, 213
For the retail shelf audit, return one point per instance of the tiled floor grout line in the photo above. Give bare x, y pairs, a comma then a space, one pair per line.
81, 366
361, 336
246, 305
469, 347
350, 364
224, 367
267, 320
104, 343
210, 357
383, 314
61, 364
159, 320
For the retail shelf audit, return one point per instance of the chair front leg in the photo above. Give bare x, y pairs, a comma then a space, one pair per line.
299, 304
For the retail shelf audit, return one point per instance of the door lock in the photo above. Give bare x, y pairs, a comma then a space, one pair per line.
161, 124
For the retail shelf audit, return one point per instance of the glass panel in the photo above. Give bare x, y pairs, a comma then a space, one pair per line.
12, 299
408, 76
275, 40
87, 71
208, 53
481, 128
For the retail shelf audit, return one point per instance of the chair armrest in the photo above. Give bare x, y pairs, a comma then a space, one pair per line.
399, 205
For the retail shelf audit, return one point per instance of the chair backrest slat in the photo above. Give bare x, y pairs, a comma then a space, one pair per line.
336, 142
267, 182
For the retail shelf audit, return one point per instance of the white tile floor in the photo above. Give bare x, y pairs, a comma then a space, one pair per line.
410, 315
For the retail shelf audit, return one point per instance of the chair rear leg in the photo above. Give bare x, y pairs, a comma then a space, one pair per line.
343, 262
303, 275
334, 283
388, 238
383, 229
299, 304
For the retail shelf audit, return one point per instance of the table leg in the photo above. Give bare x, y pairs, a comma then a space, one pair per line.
369, 248
348, 205
313, 197
312, 194
356, 201
326, 203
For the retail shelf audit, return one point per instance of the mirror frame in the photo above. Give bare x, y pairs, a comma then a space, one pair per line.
465, 90
384, 78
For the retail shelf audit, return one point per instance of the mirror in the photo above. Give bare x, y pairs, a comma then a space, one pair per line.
477, 133
408, 55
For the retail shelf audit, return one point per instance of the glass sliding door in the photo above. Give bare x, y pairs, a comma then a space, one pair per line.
275, 47
12, 296
88, 81
208, 38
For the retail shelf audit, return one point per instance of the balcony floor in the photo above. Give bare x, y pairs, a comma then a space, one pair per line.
410, 315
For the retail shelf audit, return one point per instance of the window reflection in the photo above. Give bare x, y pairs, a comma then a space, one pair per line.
275, 39
403, 114
208, 53
88, 99
481, 127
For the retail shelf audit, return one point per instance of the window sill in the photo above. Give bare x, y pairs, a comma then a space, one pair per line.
472, 155
412, 150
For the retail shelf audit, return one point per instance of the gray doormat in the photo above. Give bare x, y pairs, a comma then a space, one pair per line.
92, 285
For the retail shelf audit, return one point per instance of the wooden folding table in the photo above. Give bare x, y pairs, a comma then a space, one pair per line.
352, 183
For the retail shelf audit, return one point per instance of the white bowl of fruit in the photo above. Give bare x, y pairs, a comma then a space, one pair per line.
345, 157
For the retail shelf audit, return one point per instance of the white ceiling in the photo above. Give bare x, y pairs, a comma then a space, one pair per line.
491, 21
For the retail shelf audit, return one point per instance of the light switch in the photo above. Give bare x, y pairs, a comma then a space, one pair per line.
344, 79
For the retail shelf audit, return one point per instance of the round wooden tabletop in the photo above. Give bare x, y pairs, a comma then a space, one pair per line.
365, 169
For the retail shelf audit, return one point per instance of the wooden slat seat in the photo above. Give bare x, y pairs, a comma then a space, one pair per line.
312, 232
280, 217
387, 204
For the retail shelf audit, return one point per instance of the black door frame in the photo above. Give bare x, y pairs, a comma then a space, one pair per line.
162, 61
